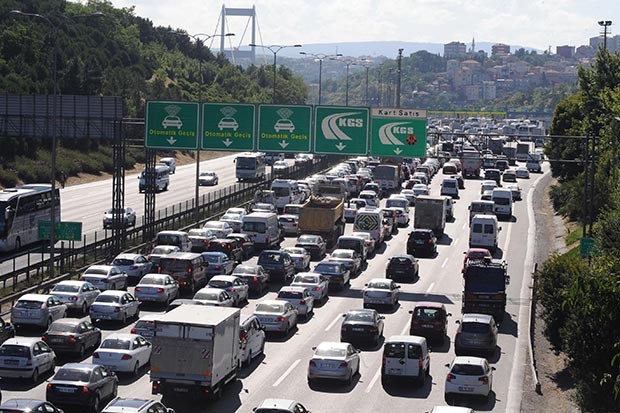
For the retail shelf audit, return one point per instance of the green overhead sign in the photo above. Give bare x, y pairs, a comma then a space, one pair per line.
398, 132
341, 130
284, 128
171, 125
227, 127
63, 230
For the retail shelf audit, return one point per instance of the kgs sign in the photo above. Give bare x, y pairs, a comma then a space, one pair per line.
398, 132
341, 130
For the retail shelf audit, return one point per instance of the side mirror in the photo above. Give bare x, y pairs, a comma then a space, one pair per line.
507, 279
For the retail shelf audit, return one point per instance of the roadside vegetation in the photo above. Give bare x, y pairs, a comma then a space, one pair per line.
581, 295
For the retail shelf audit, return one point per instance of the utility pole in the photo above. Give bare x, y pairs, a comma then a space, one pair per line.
604, 24
400, 59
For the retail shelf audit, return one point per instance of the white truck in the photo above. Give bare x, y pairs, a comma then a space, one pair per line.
195, 351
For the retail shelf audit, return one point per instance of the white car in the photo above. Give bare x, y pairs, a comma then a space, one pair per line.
26, 357
420, 189
487, 185
409, 194
233, 285
300, 297
77, 295
125, 353
38, 310
127, 217
516, 191
219, 228
522, 172
157, 288
234, 220
105, 277
380, 291
134, 265
368, 239
300, 257
280, 167
214, 296
334, 360
315, 282
208, 178
469, 376
114, 305
289, 224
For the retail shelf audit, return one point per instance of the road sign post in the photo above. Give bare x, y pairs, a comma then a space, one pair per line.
171, 125
284, 128
341, 130
228, 127
398, 132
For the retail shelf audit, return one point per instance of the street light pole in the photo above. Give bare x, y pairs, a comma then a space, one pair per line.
320, 57
604, 24
197, 37
400, 58
274, 48
54, 122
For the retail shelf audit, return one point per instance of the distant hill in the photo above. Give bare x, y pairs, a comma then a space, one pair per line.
386, 48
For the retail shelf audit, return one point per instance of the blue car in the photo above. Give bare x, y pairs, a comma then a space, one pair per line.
336, 272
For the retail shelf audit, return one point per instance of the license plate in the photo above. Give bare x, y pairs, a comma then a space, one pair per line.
181, 389
394, 371
65, 389
419, 241
11, 362
427, 325
466, 389
55, 340
357, 329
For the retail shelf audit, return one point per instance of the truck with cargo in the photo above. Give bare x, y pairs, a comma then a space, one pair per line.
523, 149
335, 189
195, 351
430, 212
388, 176
484, 287
324, 216
471, 163
496, 145
511, 153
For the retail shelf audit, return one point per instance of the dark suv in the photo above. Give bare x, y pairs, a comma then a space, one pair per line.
422, 241
229, 246
429, 319
402, 267
278, 264
493, 175
188, 268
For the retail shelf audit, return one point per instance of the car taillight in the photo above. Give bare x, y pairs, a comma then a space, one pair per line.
383, 362
234, 290
302, 302
344, 364
430, 241
317, 288
450, 377
160, 290
72, 339
484, 379
44, 337
420, 363
280, 319
117, 310
49, 386
137, 289
81, 278
73, 298
133, 267
95, 355
312, 363
126, 357
255, 278
133, 331
85, 390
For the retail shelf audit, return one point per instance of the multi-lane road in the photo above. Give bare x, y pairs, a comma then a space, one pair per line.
281, 372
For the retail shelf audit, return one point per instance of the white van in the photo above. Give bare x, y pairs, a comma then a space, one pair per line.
397, 201
450, 187
502, 199
286, 192
370, 220
264, 228
162, 178
405, 357
484, 232
481, 207
177, 238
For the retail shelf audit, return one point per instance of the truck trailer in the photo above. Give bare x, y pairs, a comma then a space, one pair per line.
322, 216
431, 212
484, 287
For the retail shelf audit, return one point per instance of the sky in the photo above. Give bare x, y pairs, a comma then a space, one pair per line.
537, 24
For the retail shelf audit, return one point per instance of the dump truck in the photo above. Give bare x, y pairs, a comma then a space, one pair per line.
324, 216
195, 351
430, 212
484, 287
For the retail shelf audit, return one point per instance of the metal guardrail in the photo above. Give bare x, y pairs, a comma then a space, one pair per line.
73, 259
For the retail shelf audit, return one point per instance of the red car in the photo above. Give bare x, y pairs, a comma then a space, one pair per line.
476, 254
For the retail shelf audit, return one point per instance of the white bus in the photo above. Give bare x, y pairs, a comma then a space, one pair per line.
21, 209
250, 166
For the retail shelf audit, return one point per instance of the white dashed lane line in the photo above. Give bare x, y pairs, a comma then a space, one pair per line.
286, 373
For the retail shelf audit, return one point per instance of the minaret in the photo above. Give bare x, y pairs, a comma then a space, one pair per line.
473, 45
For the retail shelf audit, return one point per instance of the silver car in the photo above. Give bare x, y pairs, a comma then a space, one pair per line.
220, 228
157, 288
135, 265
315, 282
334, 360
214, 296
105, 277
300, 256
38, 310
380, 291
26, 357
114, 306
234, 220
235, 286
276, 315
77, 295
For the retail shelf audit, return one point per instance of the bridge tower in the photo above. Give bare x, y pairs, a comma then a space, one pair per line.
235, 53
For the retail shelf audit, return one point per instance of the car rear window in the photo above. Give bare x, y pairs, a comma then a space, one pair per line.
62, 327
14, 351
467, 370
122, 261
426, 314
72, 375
174, 265
220, 284
116, 343
476, 328
420, 235
290, 294
28, 305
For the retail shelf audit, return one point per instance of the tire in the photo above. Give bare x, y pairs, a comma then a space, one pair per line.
349, 380
248, 361
124, 319
53, 366
96, 404
422, 378
49, 322
35, 375
136, 368
82, 352
84, 308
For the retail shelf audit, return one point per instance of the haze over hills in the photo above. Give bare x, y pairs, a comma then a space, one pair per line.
384, 48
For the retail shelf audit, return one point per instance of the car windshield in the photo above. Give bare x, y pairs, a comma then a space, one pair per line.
381, 285
67, 374
107, 299
342, 254
220, 284
426, 314
324, 351
62, 327
116, 343
14, 351
64, 288
245, 269
269, 308
307, 239
327, 268
297, 295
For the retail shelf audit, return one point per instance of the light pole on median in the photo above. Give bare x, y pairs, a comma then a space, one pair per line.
348, 62
366, 63
274, 48
54, 119
320, 57
197, 37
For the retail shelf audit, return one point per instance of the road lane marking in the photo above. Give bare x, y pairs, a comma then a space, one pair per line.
443, 264
465, 225
339, 317
430, 288
405, 330
373, 381
287, 372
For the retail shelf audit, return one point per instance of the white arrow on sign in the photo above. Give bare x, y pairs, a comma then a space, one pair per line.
227, 142
397, 151
340, 146
283, 144
171, 140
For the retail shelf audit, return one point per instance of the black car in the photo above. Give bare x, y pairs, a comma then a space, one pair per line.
493, 175
247, 244
362, 326
254, 275
402, 267
314, 244
278, 264
336, 272
229, 246
421, 242
82, 384
6, 330
28, 406
72, 335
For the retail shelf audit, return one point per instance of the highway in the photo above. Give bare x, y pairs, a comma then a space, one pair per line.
281, 372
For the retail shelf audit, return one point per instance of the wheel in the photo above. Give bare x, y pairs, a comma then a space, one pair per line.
124, 319
248, 361
35, 375
49, 322
137, 315
82, 352
136, 368
422, 378
96, 404
113, 286
52, 366
84, 308
350, 378
18, 244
